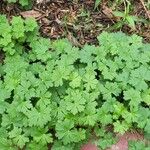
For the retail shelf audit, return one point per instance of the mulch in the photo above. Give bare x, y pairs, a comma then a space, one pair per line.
77, 20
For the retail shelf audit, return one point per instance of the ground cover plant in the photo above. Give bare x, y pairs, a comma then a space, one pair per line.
21, 2
53, 94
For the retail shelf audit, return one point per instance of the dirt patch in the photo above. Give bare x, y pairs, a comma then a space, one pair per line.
122, 143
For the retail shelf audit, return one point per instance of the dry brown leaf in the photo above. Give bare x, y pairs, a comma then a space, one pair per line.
31, 14
46, 21
108, 12
73, 40
39, 1
42, 1
146, 10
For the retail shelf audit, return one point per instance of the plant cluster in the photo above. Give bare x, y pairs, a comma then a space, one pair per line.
21, 2
134, 145
55, 94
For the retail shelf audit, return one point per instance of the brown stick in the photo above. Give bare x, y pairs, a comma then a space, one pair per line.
142, 2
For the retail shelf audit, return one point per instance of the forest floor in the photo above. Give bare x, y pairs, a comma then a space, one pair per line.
82, 21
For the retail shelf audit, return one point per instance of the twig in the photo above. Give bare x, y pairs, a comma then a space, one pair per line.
142, 2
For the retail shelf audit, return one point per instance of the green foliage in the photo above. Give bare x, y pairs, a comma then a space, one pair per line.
106, 139
126, 14
97, 3
53, 93
21, 2
14, 34
138, 145
126, 19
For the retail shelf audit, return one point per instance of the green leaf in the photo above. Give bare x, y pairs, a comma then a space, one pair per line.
134, 145
24, 106
58, 145
118, 14
61, 72
21, 140
43, 139
75, 80
147, 127
106, 141
75, 102
131, 21
130, 116
30, 24
146, 97
104, 117
3, 107
138, 78
18, 28
5, 29
24, 2
34, 146
134, 97
90, 81
61, 46
119, 109
40, 47
109, 89
121, 127
63, 131
6, 144
143, 117
97, 3
39, 117
86, 54
18, 138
